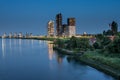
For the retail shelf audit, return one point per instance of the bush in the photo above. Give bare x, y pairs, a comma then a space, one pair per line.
96, 45
59, 43
105, 41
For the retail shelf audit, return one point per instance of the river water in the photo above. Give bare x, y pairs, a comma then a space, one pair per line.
36, 60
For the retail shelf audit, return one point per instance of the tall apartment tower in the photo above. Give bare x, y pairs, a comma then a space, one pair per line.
58, 24
51, 28
71, 27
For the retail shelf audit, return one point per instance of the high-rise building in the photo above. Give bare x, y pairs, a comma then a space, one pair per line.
51, 28
64, 30
58, 24
71, 27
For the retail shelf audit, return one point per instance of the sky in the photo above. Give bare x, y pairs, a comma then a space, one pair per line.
92, 16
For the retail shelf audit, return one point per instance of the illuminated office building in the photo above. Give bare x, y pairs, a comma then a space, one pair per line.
58, 24
51, 28
71, 27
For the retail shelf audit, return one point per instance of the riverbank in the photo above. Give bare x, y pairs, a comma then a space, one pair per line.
33, 37
68, 52
105, 64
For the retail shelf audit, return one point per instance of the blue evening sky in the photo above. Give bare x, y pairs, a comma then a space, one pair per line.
92, 16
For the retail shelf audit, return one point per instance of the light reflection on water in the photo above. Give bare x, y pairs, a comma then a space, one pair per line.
36, 60
50, 50
3, 47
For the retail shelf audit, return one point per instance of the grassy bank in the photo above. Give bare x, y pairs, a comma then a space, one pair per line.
108, 63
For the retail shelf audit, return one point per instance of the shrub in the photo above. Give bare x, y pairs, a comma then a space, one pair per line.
96, 45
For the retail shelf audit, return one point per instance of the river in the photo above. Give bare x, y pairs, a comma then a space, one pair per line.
22, 59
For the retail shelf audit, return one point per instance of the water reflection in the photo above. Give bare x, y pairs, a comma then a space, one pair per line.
3, 47
59, 58
15, 41
50, 50
42, 44
32, 42
51, 63
10, 45
20, 47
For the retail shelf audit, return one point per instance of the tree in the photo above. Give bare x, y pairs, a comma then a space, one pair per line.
114, 47
72, 43
118, 34
96, 45
109, 32
104, 32
99, 37
114, 27
105, 42
59, 43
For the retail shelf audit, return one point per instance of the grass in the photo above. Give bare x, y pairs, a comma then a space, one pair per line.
111, 60
108, 63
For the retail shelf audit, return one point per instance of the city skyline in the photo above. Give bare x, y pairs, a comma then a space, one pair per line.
32, 15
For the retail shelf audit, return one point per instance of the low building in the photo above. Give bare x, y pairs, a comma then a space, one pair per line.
20, 35
10, 35
15, 35
4, 35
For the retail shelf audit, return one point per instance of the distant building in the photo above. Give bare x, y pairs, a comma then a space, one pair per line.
10, 35
31, 34
71, 27
51, 28
58, 24
64, 30
15, 35
27, 35
4, 35
111, 37
92, 40
84, 33
20, 35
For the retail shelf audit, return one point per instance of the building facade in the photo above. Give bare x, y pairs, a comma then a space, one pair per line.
65, 30
50, 28
20, 35
4, 35
15, 35
10, 35
71, 27
59, 24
